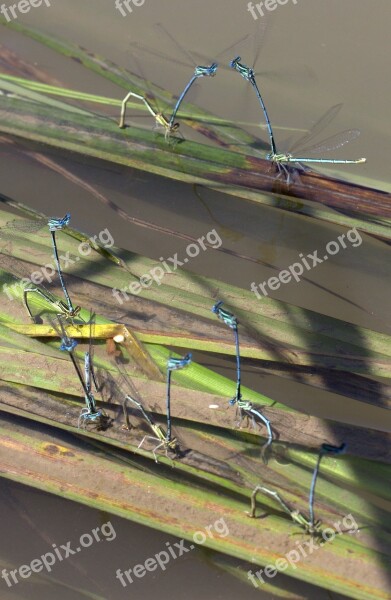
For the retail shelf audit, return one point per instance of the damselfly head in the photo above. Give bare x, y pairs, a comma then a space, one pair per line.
179, 363
56, 224
234, 62
210, 71
330, 449
215, 307
68, 344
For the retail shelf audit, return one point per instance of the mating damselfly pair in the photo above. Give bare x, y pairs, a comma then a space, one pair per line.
308, 523
90, 413
18, 227
275, 156
244, 408
164, 438
247, 410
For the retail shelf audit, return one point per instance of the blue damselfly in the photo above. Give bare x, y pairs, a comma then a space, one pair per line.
90, 413
248, 74
163, 438
173, 364
24, 285
325, 449
245, 409
34, 225
171, 128
303, 146
159, 436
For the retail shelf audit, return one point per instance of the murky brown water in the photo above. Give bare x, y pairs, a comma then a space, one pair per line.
343, 46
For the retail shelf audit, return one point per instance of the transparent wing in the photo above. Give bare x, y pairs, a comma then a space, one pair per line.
138, 48
139, 71
26, 225
262, 26
332, 143
225, 54
179, 49
59, 326
251, 44
17, 271
301, 74
317, 128
123, 382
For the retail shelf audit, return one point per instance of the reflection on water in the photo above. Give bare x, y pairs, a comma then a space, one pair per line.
36, 521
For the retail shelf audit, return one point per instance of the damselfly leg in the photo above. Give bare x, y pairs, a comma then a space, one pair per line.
159, 436
90, 414
312, 528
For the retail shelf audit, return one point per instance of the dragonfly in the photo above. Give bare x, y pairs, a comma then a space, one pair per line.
310, 527
33, 225
90, 413
324, 450
244, 407
171, 128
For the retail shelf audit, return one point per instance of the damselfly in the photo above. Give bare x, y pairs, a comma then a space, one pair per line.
243, 407
313, 528
170, 130
199, 71
229, 319
280, 159
170, 126
324, 450
54, 224
164, 438
160, 435
173, 364
247, 410
90, 413
23, 283
303, 146
248, 74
